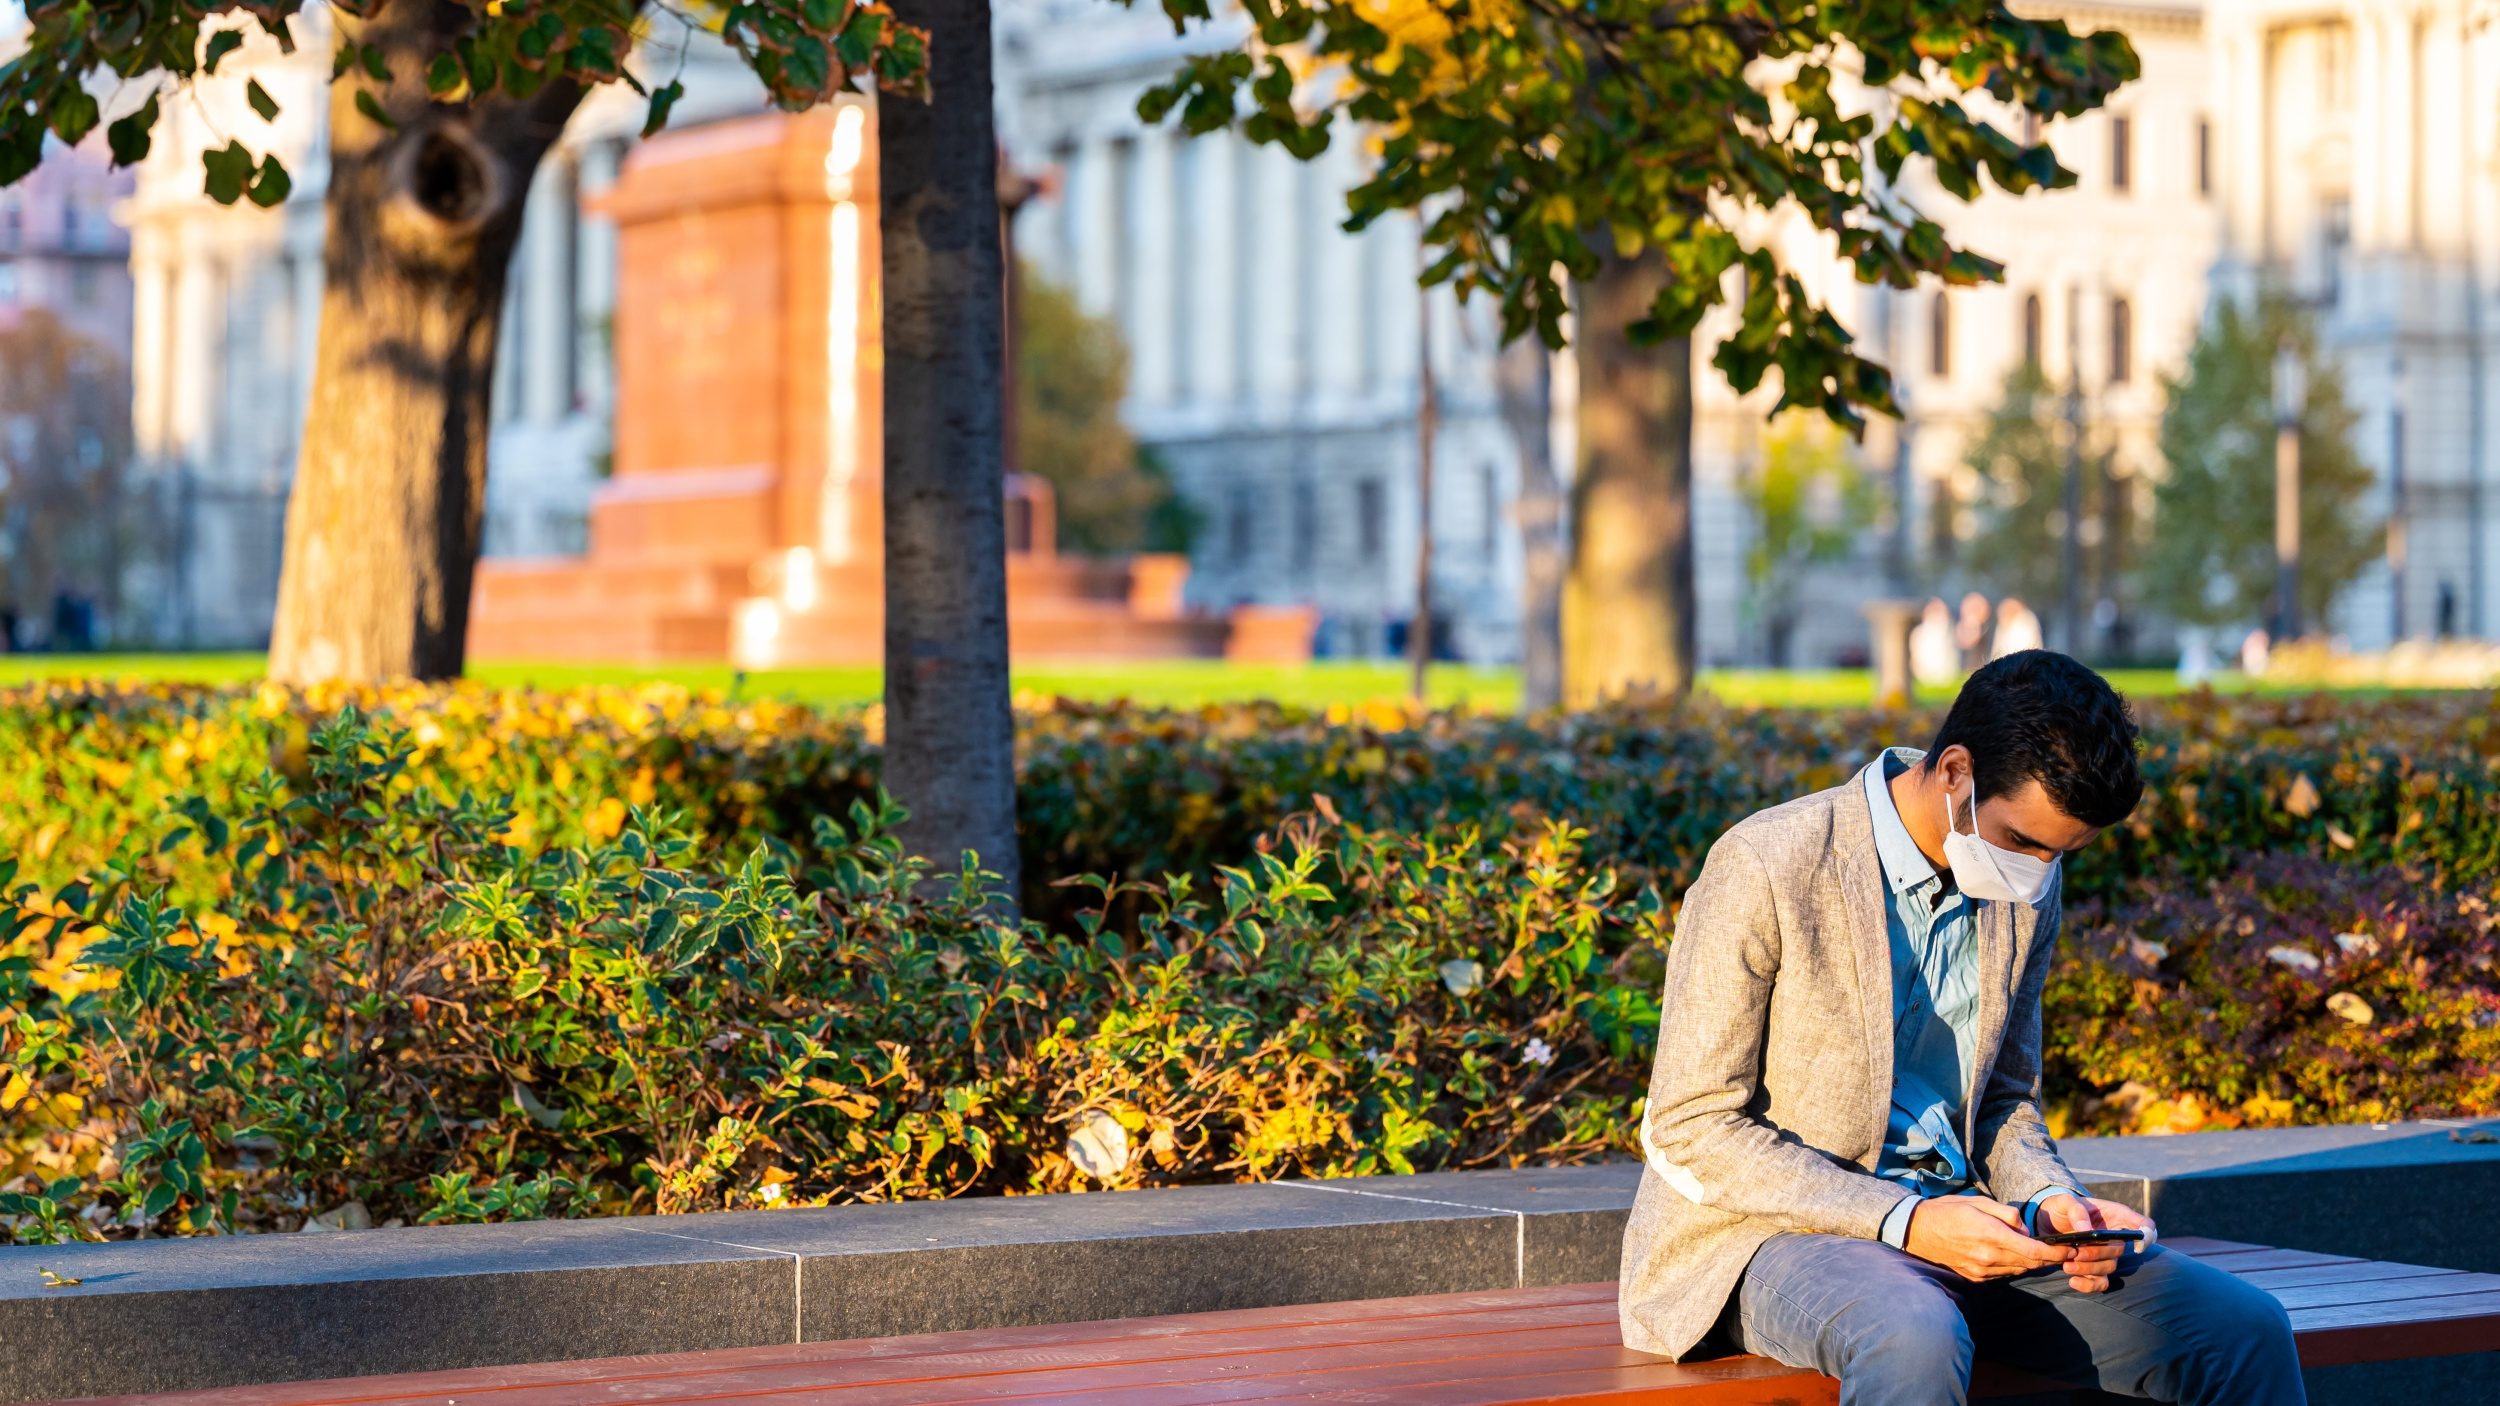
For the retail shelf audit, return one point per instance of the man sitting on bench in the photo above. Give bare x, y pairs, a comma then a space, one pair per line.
1847, 1163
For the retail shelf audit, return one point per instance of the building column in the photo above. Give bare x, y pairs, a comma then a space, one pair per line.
1215, 244
1336, 280
1150, 251
547, 285
1274, 281
150, 292
191, 371
1091, 210
594, 285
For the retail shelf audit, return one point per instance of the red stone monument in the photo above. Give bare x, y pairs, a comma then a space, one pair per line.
742, 520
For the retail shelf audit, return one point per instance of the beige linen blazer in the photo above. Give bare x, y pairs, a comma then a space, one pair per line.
1773, 1081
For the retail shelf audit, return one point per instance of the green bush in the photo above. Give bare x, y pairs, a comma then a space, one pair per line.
1115, 790
397, 1007
477, 955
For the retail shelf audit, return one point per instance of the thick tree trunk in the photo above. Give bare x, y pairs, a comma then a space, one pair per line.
1627, 611
390, 485
1523, 378
949, 732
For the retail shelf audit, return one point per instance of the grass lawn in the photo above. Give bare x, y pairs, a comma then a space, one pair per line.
1185, 683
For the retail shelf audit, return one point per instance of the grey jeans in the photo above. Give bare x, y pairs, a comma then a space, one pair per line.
1898, 1331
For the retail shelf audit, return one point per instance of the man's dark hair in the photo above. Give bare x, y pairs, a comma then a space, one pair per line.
2041, 716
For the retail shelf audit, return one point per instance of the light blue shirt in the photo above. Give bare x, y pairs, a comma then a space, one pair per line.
1935, 1011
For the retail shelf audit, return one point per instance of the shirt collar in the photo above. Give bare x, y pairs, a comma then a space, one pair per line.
1905, 865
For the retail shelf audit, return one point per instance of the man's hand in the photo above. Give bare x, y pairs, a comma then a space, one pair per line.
1977, 1238
2088, 1267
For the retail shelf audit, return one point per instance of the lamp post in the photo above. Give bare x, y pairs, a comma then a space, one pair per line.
2291, 394
2070, 599
2396, 523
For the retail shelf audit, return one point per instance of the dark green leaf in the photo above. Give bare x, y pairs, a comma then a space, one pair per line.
663, 98
220, 44
260, 100
444, 75
371, 107
229, 169
75, 115
273, 185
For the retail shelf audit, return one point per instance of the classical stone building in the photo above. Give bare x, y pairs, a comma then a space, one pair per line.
2360, 168
2344, 149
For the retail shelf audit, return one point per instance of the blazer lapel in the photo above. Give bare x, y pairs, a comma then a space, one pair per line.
1998, 926
1870, 943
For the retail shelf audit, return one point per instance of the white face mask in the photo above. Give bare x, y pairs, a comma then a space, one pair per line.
1992, 872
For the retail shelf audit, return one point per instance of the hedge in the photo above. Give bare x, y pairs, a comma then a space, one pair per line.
1109, 789
347, 969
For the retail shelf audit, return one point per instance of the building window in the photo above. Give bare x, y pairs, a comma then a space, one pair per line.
82, 284
1241, 524
2031, 128
1371, 518
2121, 153
2031, 330
2121, 341
1305, 525
1940, 336
2204, 156
1492, 512
8, 281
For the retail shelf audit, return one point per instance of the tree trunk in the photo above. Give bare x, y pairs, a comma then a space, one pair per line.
1523, 380
949, 731
390, 485
1627, 609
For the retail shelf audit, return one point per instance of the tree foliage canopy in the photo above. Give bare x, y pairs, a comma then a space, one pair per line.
2211, 559
2019, 461
1523, 127
805, 51
1071, 374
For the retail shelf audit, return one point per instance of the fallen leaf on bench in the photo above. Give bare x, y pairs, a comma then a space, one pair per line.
56, 1281
2472, 1135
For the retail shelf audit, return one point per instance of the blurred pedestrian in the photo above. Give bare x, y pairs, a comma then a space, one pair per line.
2017, 628
1972, 631
1935, 655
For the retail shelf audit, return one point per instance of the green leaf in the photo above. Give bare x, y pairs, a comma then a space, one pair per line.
376, 66
858, 41
160, 1199
273, 186
444, 75
371, 107
260, 100
220, 44
74, 116
662, 99
229, 170
821, 15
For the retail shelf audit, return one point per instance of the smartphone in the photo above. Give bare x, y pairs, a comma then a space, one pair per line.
2089, 1237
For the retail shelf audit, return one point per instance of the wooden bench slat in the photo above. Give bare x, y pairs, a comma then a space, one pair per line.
1354, 1379
1210, 1379
2361, 1271
1495, 1348
1598, 1300
1188, 1355
2245, 1262
2347, 1333
2389, 1291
